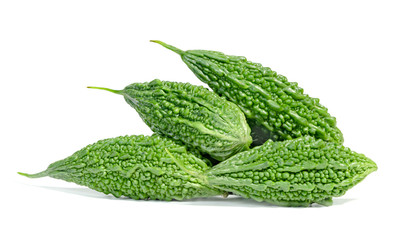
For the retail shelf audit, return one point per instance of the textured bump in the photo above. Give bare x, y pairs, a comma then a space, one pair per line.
138, 167
295, 172
268, 99
192, 115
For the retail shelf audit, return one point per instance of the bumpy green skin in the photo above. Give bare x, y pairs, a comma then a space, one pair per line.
295, 172
208, 161
191, 114
265, 97
138, 167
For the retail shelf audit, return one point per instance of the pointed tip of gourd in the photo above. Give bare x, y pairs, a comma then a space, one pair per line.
35, 175
170, 47
106, 89
23, 174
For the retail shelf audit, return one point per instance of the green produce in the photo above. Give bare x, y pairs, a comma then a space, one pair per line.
268, 100
139, 167
208, 161
191, 114
295, 172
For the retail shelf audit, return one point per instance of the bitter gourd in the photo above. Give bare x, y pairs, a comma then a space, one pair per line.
138, 167
268, 99
191, 114
295, 172
206, 158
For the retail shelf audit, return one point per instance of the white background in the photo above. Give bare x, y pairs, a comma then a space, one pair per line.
342, 52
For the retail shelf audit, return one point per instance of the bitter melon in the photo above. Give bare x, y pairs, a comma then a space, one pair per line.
268, 99
138, 167
295, 172
191, 114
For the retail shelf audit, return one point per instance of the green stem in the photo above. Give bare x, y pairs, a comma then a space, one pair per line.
107, 89
170, 47
36, 175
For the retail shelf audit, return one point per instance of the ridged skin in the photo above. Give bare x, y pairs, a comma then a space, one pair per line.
208, 161
138, 167
267, 98
295, 172
192, 115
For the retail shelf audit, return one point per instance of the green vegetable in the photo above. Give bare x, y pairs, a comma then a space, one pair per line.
295, 172
267, 98
206, 158
139, 167
190, 114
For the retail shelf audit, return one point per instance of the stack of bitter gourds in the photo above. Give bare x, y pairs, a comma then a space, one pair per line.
256, 135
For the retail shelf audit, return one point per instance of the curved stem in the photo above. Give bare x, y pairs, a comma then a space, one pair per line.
107, 89
170, 47
35, 175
